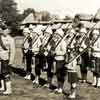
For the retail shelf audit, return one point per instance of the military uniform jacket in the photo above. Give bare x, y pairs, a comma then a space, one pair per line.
60, 51
96, 49
27, 43
8, 54
36, 47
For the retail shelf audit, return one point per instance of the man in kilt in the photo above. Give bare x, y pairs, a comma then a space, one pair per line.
80, 45
72, 66
59, 57
7, 52
72, 72
27, 51
95, 50
49, 57
35, 50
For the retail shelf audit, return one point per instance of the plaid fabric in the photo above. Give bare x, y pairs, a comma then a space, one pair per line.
84, 62
72, 77
5, 69
96, 65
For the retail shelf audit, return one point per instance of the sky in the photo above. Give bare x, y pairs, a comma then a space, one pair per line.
61, 7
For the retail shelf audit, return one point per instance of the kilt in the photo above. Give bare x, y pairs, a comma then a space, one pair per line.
28, 61
39, 63
50, 60
42, 61
96, 65
72, 77
37, 66
5, 68
60, 70
84, 62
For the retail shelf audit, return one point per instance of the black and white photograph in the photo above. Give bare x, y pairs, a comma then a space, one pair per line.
49, 50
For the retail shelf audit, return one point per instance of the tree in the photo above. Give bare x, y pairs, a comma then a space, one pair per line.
45, 16
9, 13
27, 12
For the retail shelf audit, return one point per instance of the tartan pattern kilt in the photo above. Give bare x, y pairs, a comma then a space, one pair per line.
72, 77
4, 67
95, 64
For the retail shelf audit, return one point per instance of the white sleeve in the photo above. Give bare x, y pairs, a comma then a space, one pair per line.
96, 46
12, 51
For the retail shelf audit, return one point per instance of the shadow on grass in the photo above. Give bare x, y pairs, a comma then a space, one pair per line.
21, 72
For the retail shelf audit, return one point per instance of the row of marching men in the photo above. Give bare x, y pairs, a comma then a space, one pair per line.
57, 47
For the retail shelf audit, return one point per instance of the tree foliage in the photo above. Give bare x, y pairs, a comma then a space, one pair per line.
27, 12
9, 13
45, 16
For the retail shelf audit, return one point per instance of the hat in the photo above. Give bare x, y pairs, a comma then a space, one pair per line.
26, 30
56, 26
32, 26
77, 16
88, 24
44, 28
96, 32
